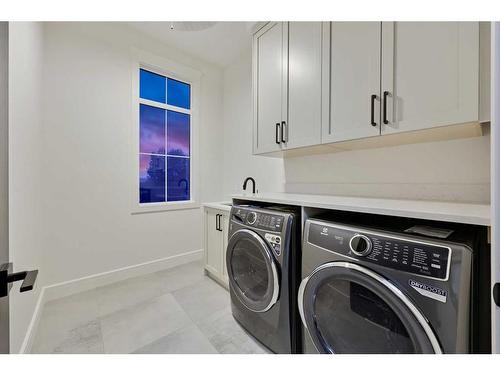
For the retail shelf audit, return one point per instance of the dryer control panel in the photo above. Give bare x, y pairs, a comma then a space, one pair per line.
394, 251
257, 219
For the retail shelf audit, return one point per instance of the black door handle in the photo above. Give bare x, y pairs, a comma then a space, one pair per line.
496, 294
283, 132
372, 114
386, 94
277, 134
7, 277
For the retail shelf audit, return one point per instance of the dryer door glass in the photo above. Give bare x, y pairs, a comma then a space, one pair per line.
252, 271
352, 319
348, 311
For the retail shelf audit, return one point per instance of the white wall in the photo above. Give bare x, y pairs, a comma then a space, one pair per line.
25, 150
87, 178
86, 172
70, 179
238, 159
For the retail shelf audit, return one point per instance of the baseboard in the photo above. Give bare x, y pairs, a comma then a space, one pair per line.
67, 288
83, 284
33, 326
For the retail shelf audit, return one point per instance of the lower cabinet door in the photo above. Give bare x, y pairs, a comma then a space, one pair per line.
213, 242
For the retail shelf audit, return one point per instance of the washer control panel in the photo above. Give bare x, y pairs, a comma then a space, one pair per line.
408, 255
258, 219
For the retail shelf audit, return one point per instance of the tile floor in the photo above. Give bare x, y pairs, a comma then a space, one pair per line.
173, 311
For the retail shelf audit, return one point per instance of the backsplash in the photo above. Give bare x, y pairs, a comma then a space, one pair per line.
457, 170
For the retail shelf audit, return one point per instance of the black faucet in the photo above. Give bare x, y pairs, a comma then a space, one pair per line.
253, 184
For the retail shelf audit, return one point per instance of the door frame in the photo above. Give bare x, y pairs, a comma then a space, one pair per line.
4, 180
495, 183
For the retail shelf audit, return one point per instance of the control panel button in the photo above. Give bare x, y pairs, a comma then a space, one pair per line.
360, 245
251, 218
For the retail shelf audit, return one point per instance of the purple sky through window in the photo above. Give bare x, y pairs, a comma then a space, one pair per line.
177, 133
152, 121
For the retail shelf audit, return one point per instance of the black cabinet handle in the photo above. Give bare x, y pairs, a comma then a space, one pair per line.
386, 94
283, 132
277, 135
217, 222
372, 114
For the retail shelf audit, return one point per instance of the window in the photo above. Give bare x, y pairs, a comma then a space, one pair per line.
164, 139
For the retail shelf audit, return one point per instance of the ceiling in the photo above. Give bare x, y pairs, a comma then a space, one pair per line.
219, 44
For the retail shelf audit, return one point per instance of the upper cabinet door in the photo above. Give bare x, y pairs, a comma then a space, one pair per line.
429, 74
354, 68
269, 86
303, 127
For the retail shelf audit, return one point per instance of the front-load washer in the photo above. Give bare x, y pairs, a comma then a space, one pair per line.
375, 291
262, 266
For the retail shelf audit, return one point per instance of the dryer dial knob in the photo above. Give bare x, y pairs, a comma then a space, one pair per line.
360, 245
251, 218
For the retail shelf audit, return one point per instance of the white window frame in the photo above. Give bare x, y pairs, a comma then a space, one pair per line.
156, 64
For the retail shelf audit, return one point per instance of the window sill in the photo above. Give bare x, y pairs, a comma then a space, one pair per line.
161, 207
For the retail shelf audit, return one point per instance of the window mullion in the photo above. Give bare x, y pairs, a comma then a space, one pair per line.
166, 157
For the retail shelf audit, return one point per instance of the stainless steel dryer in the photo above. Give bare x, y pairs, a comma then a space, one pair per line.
375, 291
263, 274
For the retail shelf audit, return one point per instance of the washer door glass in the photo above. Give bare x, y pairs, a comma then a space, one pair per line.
346, 310
252, 271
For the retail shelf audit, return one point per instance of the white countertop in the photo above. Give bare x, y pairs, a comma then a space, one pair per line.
224, 206
432, 210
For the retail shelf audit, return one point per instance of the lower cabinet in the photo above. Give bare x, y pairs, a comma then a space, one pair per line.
216, 225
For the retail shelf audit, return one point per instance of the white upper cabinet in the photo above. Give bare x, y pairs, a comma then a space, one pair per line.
430, 74
269, 86
354, 67
325, 82
287, 85
303, 123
